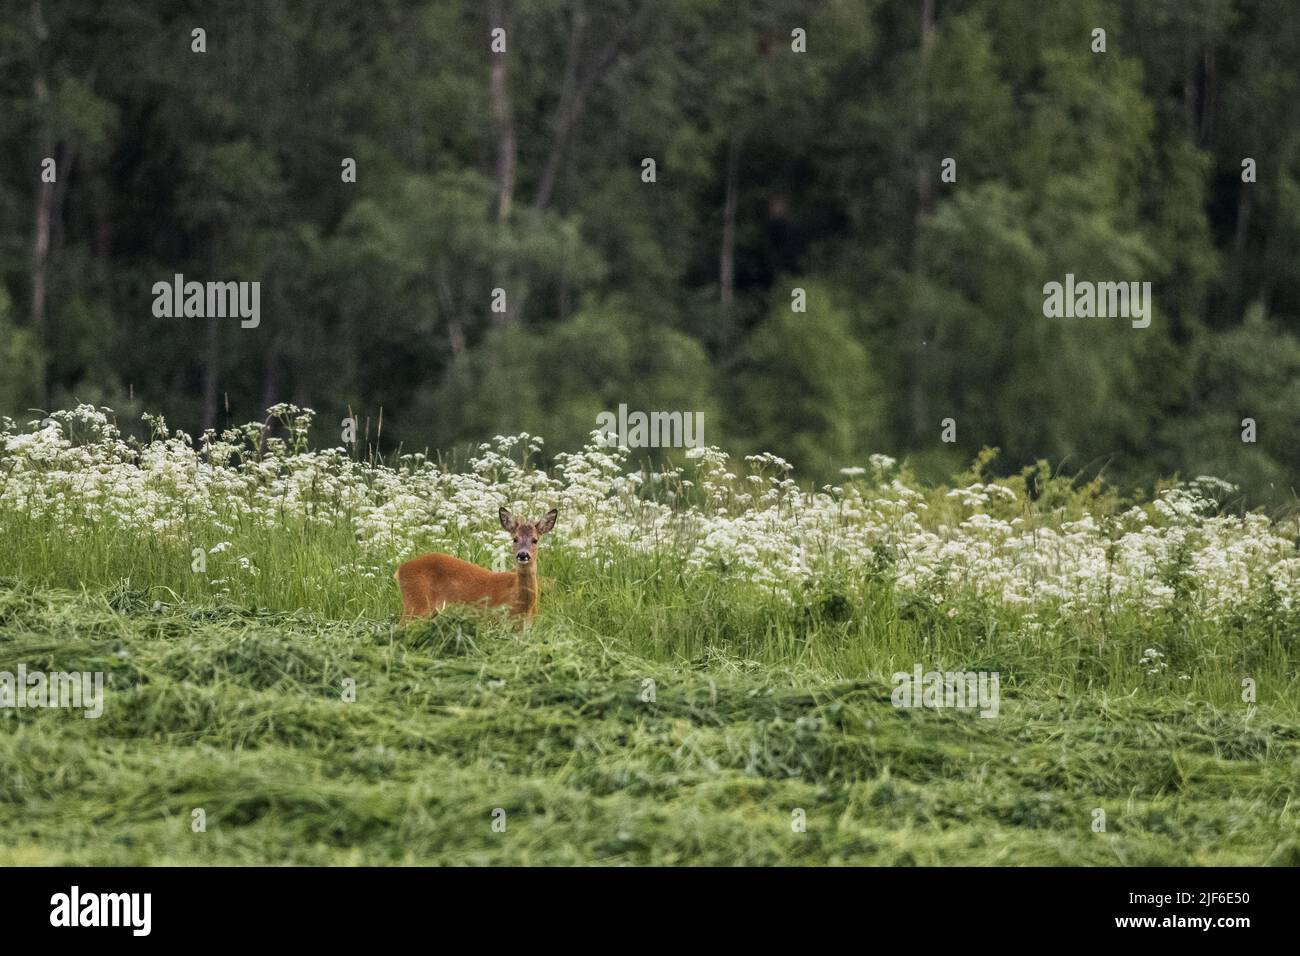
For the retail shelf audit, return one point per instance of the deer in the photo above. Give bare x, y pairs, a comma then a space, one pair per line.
432, 581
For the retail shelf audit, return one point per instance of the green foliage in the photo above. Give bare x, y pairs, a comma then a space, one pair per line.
1117, 166
18, 359
1251, 371
557, 382
812, 388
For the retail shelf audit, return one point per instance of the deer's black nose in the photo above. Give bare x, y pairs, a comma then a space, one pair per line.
524, 557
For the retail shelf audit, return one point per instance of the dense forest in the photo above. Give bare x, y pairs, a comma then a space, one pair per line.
842, 241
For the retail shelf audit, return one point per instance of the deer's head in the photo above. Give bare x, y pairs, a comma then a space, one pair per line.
526, 534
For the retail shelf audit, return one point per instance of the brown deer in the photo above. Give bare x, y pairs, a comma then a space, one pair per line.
432, 581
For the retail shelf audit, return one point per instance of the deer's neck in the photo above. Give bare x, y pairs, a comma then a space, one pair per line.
526, 588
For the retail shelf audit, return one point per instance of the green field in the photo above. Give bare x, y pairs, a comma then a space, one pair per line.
708, 679
241, 714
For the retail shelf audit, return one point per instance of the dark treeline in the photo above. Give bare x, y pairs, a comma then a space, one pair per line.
775, 170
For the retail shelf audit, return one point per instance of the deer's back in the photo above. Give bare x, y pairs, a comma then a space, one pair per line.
454, 579
433, 580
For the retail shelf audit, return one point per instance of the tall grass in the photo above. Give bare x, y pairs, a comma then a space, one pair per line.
770, 622
661, 608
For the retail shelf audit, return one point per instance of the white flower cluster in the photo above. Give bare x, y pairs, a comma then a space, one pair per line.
761, 530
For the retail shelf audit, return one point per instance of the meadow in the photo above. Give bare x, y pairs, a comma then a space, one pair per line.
711, 663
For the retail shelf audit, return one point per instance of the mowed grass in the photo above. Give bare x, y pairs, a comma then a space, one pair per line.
241, 713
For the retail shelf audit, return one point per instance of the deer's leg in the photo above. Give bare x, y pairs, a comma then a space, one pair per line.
417, 600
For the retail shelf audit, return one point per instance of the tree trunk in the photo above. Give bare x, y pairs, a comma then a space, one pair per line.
727, 254
212, 342
1239, 233
503, 123
447, 303
566, 111
506, 158
919, 400
103, 242
271, 370
66, 158
44, 210
575, 86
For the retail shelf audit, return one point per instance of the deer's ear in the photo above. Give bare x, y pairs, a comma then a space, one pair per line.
547, 523
507, 519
